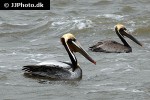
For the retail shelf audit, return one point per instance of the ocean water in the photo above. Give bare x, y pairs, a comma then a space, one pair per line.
30, 37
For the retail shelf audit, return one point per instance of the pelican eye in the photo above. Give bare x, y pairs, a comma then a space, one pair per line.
123, 29
70, 40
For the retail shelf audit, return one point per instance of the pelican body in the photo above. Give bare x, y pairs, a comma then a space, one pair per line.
113, 46
59, 70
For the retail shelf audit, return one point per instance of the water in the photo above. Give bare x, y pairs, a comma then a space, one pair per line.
30, 37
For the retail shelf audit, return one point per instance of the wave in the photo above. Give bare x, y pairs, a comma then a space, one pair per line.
79, 23
22, 28
113, 16
143, 30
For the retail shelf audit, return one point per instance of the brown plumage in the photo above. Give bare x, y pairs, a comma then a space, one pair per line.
58, 70
111, 46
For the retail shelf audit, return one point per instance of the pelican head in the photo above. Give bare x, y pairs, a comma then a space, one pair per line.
123, 32
72, 45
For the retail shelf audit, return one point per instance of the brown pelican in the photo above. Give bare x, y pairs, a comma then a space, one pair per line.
58, 70
114, 47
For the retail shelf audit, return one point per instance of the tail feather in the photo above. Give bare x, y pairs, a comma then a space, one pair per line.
35, 68
53, 72
95, 47
43, 68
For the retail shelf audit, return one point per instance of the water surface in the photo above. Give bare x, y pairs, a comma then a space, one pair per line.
30, 37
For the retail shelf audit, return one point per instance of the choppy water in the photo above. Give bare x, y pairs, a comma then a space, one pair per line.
29, 37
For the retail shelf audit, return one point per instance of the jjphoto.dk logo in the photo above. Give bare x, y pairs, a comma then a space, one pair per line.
25, 5
6, 5
39, 4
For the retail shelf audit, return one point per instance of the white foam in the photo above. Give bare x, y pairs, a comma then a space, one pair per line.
136, 91
2, 66
79, 23
82, 23
112, 16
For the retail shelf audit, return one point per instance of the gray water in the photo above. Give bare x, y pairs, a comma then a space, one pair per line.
30, 37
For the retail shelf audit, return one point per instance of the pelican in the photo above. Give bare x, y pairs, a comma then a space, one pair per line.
59, 70
113, 46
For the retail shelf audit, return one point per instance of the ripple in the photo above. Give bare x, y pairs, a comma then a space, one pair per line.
21, 27
127, 9
113, 16
71, 23
102, 2
2, 66
143, 30
119, 89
